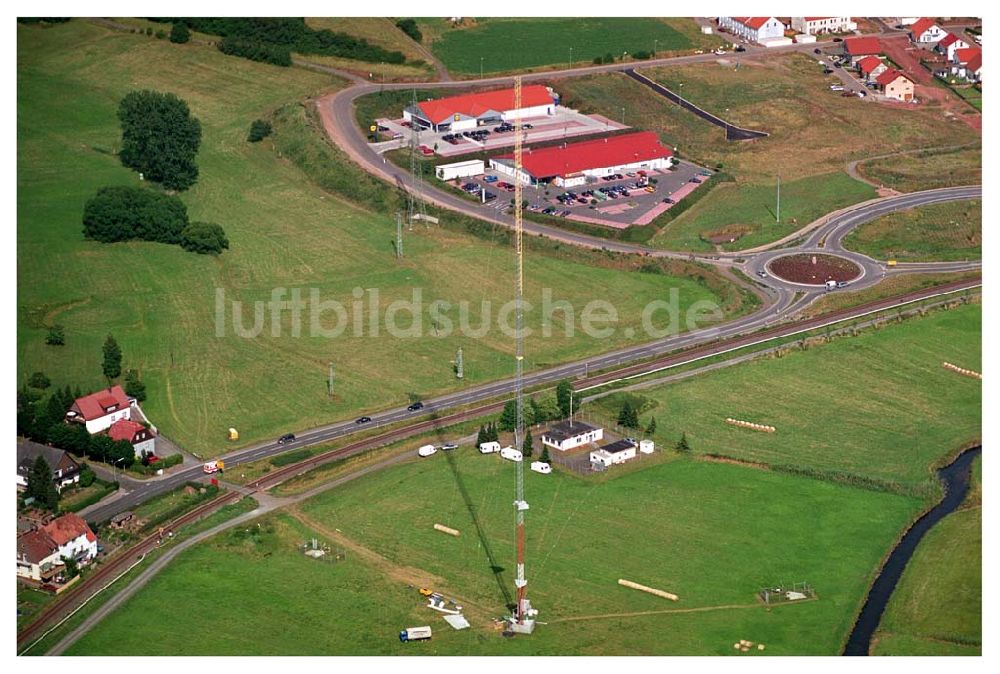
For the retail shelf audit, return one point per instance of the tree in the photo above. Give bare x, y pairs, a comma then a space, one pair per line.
134, 386
410, 27
527, 447
160, 138
651, 428
259, 130
56, 336
179, 33
492, 434
72, 570
204, 238
481, 436
545, 453
112, 359
564, 396
682, 444
124, 213
41, 487
100, 447
628, 417
508, 418
39, 380
87, 475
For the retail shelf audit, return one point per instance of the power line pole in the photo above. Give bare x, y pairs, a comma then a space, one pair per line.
459, 365
399, 235
777, 212
414, 205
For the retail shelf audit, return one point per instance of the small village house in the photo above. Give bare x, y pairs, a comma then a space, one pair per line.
896, 85
65, 469
815, 25
758, 29
949, 44
40, 551
859, 47
141, 438
925, 31
101, 409
871, 67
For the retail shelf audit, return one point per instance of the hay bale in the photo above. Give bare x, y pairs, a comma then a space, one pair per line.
447, 530
760, 647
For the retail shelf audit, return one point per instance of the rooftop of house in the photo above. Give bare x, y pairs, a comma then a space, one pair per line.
96, 405
35, 545
572, 158
920, 26
564, 430
68, 527
618, 446
860, 46
474, 105
125, 429
28, 453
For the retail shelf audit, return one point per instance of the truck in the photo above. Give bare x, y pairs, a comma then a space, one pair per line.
427, 450
415, 633
211, 467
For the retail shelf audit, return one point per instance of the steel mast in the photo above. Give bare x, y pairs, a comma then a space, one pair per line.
523, 618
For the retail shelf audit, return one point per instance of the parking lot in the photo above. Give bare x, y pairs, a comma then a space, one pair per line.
618, 202
564, 123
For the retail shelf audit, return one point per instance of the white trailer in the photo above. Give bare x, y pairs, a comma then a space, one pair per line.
511, 454
489, 447
462, 169
427, 450
415, 633
541, 467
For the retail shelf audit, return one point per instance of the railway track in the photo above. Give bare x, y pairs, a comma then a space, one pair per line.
85, 589
82, 591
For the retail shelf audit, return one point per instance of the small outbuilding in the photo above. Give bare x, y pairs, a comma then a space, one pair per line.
567, 435
461, 169
613, 453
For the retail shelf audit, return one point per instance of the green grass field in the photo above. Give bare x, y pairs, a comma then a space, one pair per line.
949, 231
285, 232
937, 607
695, 534
813, 134
519, 44
927, 171
746, 211
877, 406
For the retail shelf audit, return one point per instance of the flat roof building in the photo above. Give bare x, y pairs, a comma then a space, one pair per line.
469, 111
567, 435
571, 164
613, 453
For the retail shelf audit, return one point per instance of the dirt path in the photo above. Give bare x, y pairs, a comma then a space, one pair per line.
852, 166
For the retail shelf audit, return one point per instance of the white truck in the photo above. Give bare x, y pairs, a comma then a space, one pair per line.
511, 454
415, 633
489, 447
830, 285
427, 450
211, 467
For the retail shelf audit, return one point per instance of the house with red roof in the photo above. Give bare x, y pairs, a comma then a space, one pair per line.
814, 25
926, 31
949, 44
871, 67
968, 63
859, 47
101, 409
40, 551
142, 439
896, 85
760, 29
470, 111
571, 164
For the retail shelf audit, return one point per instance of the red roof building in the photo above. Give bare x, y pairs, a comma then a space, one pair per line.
895, 84
857, 47
869, 64
570, 164
68, 528
134, 433
965, 56
101, 409
926, 30
474, 109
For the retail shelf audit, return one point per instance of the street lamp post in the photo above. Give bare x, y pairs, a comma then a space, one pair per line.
114, 475
571, 58
655, 45
623, 115
481, 67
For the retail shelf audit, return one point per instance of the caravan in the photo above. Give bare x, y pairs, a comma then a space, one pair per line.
489, 447
511, 454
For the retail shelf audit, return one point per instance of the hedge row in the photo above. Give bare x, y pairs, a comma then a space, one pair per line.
107, 488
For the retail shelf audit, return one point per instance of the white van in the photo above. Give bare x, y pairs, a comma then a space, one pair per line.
511, 454
541, 467
427, 450
489, 447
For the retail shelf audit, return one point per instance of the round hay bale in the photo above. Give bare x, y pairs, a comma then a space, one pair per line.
760, 647
736, 646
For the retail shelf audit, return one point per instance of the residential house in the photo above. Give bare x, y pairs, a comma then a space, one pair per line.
871, 67
142, 439
814, 25
613, 453
926, 31
567, 435
856, 48
895, 84
949, 44
38, 557
101, 409
759, 29
40, 551
65, 469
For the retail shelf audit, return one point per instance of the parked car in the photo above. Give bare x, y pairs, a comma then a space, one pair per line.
740, 48
287, 437
836, 87
490, 179
842, 284
363, 420
761, 273
448, 446
817, 51
413, 407
838, 39
668, 200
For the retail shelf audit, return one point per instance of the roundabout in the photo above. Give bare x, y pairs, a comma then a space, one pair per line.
814, 269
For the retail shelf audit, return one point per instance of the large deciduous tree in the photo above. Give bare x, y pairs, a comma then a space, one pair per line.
160, 138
